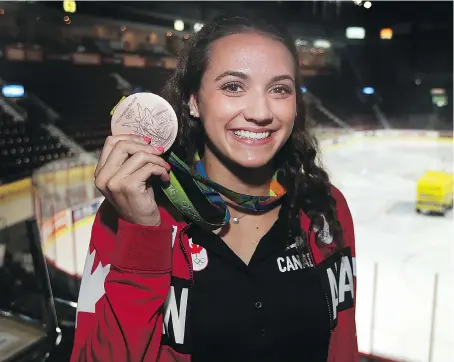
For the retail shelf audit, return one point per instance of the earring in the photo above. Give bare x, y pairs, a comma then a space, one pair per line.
191, 112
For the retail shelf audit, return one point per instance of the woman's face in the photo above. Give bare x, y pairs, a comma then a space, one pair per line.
247, 99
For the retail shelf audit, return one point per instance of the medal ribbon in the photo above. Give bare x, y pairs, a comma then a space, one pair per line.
198, 198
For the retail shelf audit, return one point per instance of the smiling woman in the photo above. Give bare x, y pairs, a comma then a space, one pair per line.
276, 280
249, 109
247, 113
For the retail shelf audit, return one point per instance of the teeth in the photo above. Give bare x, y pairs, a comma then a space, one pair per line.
252, 135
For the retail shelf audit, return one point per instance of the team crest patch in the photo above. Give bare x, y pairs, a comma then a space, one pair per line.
199, 256
325, 234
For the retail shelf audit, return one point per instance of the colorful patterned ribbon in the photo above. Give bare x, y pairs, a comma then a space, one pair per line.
198, 198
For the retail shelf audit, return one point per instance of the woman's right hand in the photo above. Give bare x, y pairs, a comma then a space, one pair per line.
124, 167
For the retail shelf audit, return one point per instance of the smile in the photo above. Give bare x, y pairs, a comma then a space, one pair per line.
252, 135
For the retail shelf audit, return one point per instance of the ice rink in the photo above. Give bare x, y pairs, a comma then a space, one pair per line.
404, 250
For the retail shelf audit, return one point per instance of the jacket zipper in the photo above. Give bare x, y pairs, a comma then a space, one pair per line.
330, 314
311, 255
185, 253
328, 305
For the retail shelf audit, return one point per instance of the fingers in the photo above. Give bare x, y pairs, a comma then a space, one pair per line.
149, 170
133, 182
127, 157
111, 142
122, 151
139, 160
117, 157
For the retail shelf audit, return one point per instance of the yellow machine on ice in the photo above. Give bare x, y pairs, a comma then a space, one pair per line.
435, 192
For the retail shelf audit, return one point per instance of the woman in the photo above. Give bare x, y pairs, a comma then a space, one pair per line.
276, 281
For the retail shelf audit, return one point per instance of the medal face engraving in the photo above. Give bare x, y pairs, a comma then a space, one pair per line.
146, 114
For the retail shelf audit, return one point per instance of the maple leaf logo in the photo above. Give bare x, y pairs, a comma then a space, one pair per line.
92, 286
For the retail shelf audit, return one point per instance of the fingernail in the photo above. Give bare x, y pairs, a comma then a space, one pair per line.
168, 166
160, 149
147, 139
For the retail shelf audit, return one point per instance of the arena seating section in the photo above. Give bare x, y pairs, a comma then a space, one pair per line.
24, 147
82, 96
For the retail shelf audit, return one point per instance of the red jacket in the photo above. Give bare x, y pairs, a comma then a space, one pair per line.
127, 279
